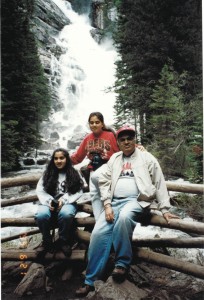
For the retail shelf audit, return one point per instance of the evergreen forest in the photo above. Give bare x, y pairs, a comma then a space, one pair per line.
158, 81
25, 93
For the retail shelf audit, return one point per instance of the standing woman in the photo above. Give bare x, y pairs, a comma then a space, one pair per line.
57, 190
98, 146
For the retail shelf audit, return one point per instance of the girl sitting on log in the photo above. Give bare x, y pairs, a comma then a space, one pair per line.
57, 190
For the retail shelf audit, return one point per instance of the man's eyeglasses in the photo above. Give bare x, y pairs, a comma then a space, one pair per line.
128, 138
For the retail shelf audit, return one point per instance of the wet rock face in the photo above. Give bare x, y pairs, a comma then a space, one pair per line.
48, 20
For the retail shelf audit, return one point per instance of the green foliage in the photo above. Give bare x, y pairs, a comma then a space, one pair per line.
167, 123
192, 205
194, 170
9, 138
25, 93
149, 35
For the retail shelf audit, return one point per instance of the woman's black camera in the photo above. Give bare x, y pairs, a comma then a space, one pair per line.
55, 202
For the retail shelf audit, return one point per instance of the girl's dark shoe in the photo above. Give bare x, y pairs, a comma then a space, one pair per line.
84, 290
63, 246
44, 248
119, 274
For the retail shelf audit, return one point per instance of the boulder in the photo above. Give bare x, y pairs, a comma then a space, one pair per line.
34, 279
115, 291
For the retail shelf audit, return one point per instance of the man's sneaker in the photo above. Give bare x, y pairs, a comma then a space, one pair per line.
84, 290
119, 274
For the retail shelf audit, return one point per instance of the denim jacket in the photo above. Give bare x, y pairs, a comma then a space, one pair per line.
148, 176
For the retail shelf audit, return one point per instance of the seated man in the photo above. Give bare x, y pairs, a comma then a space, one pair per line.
128, 186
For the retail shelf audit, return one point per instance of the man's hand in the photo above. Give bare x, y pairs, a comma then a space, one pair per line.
168, 216
109, 213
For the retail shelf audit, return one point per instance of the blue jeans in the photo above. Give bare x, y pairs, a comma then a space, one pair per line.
45, 220
127, 213
97, 204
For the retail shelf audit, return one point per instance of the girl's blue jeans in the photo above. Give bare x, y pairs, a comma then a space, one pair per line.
127, 212
45, 221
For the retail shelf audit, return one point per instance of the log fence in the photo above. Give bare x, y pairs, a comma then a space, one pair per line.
86, 224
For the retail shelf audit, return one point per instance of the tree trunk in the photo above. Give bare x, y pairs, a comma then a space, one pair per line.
185, 226
28, 255
169, 262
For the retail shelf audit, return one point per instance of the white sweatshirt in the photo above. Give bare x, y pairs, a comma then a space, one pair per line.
45, 198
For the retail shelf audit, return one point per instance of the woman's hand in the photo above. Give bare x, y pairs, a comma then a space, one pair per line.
168, 216
140, 147
60, 204
109, 213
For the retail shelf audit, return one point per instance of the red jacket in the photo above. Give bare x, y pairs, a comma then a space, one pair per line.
105, 144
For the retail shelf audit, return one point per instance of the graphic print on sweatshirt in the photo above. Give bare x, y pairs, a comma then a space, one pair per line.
126, 184
99, 146
127, 170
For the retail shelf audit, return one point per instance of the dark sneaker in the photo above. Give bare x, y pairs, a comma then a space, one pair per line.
63, 246
84, 290
119, 274
44, 248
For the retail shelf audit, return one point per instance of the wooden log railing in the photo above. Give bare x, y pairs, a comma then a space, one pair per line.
33, 179
191, 227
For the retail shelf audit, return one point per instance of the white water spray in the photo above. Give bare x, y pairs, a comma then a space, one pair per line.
87, 71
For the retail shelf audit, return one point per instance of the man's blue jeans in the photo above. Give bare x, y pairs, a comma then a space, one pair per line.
127, 213
64, 217
97, 204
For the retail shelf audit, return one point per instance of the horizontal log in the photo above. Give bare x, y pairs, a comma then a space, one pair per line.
179, 224
153, 242
20, 180
30, 222
83, 236
85, 208
17, 236
169, 262
197, 242
29, 255
33, 179
155, 220
185, 187
20, 200
33, 198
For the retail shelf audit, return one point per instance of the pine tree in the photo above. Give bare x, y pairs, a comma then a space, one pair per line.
168, 121
25, 92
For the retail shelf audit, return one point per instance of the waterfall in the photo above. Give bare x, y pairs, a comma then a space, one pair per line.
85, 70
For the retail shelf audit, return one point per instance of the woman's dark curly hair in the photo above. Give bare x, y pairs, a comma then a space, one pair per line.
73, 183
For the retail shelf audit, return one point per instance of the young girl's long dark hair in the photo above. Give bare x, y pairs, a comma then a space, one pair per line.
101, 118
73, 182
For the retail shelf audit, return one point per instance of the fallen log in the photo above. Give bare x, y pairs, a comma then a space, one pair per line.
17, 236
84, 236
179, 224
20, 200
170, 242
20, 180
185, 187
33, 179
155, 220
33, 198
31, 255
169, 262
30, 222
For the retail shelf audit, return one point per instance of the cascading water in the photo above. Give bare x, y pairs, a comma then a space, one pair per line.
85, 71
